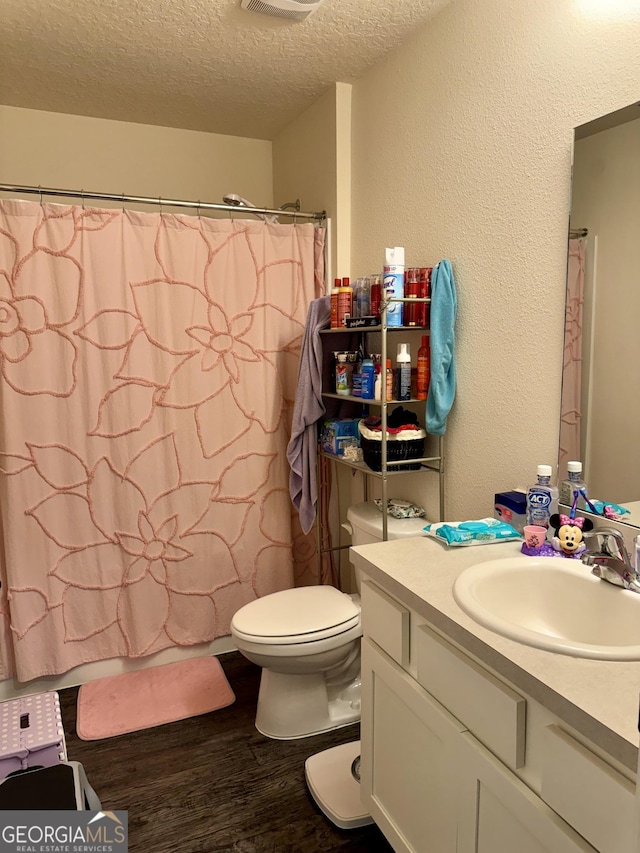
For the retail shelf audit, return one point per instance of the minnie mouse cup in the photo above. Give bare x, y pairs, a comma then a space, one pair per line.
534, 536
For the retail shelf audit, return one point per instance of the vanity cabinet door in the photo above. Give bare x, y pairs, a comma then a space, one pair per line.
407, 765
499, 814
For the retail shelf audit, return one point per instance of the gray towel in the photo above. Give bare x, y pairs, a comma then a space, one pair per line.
302, 449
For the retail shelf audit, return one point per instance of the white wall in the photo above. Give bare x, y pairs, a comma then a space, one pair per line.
312, 161
47, 149
606, 200
461, 149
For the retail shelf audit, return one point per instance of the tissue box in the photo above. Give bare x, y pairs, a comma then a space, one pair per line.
337, 432
511, 507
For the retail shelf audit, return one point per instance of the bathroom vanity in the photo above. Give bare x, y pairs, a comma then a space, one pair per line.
474, 743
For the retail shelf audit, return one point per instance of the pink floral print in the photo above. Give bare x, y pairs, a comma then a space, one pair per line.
148, 366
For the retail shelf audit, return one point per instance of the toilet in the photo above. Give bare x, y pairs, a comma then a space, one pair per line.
307, 641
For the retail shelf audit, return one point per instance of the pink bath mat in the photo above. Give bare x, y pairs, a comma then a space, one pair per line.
151, 697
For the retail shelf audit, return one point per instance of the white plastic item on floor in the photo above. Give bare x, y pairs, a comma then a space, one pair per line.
335, 788
31, 733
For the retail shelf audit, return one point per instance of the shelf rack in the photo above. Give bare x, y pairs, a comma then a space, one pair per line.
431, 463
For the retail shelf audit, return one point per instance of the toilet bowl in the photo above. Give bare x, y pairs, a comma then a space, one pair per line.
307, 641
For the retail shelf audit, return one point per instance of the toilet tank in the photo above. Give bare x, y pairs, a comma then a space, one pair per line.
365, 520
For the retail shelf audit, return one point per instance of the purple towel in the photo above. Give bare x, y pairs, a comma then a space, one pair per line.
302, 449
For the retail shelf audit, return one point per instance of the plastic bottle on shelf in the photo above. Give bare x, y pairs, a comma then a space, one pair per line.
542, 498
354, 298
411, 291
343, 375
424, 369
363, 297
375, 294
355, 357
389, 380
378, 377
368, 379
424, 283
393, 283
403, 373
345, 302
573, 483
334, 303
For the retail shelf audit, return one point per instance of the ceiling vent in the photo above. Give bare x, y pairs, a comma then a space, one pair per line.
291, 10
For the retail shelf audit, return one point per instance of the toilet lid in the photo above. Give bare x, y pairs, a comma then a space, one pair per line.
307, 610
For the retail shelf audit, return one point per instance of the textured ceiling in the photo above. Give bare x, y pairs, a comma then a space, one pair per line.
197, 64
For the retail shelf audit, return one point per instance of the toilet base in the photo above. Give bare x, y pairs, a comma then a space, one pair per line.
335, 788
298, 706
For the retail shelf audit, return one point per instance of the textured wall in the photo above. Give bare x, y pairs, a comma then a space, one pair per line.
76, 152
312, 161
462, 146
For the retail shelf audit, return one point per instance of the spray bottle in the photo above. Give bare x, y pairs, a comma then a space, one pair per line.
393, 283
403, 372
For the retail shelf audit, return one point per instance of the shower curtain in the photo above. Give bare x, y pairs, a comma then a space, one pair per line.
571, 407
148, 366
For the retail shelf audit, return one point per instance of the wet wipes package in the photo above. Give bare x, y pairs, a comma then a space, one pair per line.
486, 531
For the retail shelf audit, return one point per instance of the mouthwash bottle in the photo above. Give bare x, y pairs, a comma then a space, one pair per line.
542, 498
573, 483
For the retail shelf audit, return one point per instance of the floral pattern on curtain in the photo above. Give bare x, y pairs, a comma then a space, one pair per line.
571, 407
148, 366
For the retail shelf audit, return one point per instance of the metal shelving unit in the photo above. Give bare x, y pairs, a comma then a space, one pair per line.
428, 463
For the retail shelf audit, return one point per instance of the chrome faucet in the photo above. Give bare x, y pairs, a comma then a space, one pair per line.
611, 561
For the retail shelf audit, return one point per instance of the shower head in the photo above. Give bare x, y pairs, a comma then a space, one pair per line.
291, 205
238, 201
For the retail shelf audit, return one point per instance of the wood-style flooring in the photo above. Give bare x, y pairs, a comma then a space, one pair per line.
214, 784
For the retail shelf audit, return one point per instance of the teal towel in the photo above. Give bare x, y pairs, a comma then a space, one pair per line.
442, 388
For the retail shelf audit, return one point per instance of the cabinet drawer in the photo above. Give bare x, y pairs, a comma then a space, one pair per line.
589, 794
493, 712
386, 622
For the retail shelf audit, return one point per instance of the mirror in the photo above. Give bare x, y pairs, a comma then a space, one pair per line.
600, 417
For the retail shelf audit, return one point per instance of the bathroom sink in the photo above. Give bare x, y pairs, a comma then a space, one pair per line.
552, 603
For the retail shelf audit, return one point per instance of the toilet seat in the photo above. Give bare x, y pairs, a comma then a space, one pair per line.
296, 616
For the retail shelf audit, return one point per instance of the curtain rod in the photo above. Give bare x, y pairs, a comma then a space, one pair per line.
169, 202
578, 232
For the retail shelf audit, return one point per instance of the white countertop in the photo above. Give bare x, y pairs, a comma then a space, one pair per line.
599, 699
633, 518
